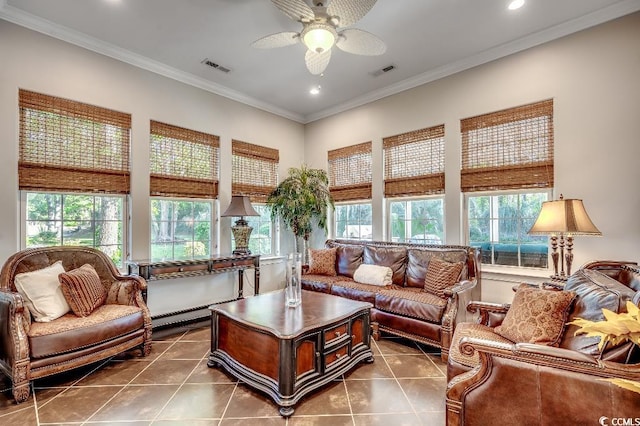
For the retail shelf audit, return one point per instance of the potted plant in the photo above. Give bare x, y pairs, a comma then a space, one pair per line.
615, 328
301, 201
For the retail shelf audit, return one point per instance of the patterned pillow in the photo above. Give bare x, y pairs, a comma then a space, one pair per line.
83, 290
322, 262
537, 316
441, 275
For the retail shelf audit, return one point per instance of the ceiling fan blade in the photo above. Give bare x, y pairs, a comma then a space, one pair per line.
317, 62
360, 42
349, 12
297, 10
282, 39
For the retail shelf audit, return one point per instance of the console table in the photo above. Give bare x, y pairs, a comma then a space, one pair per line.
152, 270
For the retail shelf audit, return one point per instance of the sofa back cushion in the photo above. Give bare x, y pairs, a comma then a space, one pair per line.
630, 276
393, 257
348, 258
418, 262
595, 291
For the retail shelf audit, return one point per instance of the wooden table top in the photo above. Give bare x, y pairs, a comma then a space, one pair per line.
268, 312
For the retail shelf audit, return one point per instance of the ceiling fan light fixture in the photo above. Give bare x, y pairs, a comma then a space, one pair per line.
319, 37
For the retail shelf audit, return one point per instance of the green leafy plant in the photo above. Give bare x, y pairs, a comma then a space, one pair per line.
302, 201
615, 328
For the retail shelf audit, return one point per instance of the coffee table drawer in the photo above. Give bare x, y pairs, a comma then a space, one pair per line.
336, 333
332, 358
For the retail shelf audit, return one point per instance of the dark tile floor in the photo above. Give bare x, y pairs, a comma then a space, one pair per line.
173, 386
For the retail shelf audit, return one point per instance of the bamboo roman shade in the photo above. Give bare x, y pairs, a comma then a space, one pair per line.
509, 149
184, 163
350, 172
254, 171
414, 163
71, 146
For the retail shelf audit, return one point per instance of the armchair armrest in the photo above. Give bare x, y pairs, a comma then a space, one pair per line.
489, 314
128, 290
460, 287
14, 344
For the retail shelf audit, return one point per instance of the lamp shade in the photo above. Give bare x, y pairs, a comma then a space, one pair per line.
240, 206
563, 216
319, 37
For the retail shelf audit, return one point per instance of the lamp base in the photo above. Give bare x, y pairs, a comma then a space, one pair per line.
241, 251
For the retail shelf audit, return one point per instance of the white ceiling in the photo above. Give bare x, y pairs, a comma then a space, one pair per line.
426, 40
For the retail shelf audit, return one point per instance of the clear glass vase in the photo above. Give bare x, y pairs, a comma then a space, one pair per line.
293, 287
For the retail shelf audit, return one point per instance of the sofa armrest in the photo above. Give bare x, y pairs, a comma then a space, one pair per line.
14, 344
489, 314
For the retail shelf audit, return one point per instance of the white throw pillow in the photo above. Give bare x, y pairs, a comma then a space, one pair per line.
373, 274
42, 293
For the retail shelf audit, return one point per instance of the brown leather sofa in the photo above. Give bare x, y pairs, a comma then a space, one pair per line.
495, 381
30, 350
404, 308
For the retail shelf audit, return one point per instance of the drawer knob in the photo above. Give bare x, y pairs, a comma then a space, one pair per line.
338, 355
353, 337
180, 269
338, 334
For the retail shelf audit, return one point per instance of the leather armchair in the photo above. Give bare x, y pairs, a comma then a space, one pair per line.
495, 381
30, 350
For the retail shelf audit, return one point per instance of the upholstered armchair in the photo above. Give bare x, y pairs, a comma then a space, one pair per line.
493, 380
115, 318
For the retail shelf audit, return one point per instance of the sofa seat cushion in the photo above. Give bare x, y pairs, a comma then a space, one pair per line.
411, 302
71, 332
356, 291
471, 329
321, 283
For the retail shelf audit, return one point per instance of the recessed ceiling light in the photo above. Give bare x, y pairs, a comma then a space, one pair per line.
516, 4
315, 90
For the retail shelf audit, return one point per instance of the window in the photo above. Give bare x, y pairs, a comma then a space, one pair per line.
509, 153
261, 241
350, 180
184, 167
74, 173
353, 221
498, 225
254, 172
180, 229
59, 219
417, 220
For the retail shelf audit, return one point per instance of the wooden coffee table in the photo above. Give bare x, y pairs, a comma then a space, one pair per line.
289, 352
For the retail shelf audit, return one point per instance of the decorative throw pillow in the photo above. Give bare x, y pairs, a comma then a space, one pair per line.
441, 275
373, 274
83, 290
42, 293
322, 262
537, 316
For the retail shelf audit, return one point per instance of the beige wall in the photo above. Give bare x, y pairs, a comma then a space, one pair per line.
32, 61
594, 79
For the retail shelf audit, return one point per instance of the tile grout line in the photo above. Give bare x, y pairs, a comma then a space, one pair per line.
400, 385
131, 381
183, 382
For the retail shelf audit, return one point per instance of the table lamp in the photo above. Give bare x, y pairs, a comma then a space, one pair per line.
241, 206
563, 218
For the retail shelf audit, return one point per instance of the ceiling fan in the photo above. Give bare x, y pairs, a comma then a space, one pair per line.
322, 28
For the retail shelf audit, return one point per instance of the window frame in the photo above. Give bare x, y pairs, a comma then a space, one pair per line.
351, 203
407, 239
213, 240
466, 227
125, 218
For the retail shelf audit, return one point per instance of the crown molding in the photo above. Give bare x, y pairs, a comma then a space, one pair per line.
27, 20
19, 17
614, 11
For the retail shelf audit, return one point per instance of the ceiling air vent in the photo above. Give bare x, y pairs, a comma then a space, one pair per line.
383, 70
216, 66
